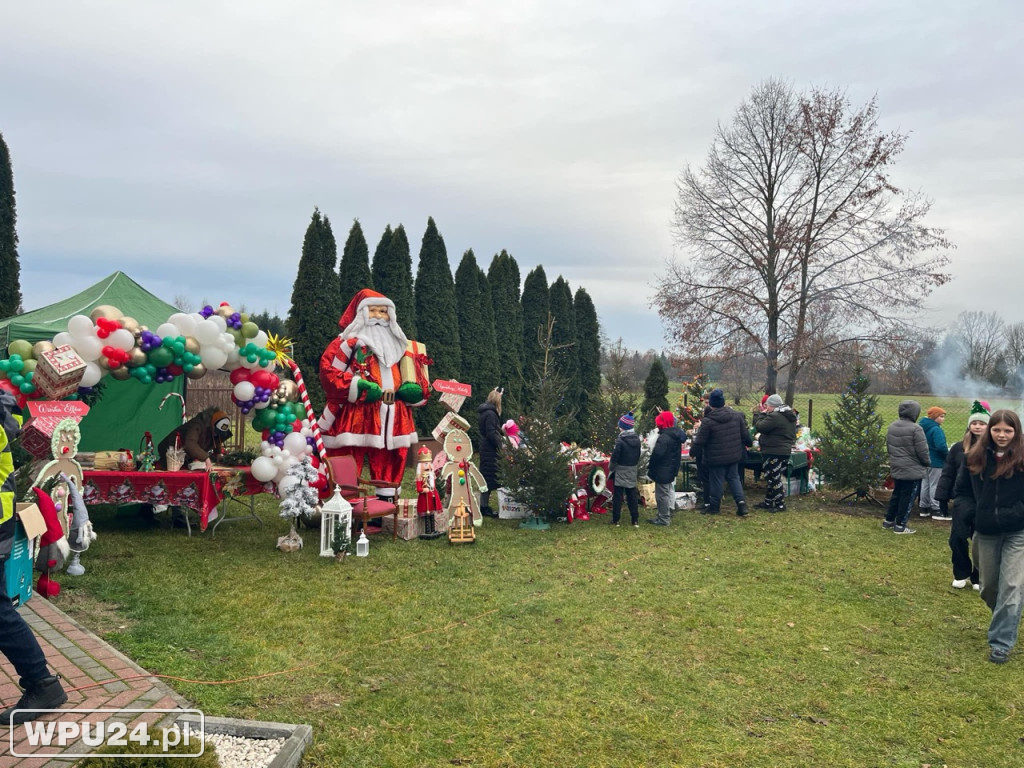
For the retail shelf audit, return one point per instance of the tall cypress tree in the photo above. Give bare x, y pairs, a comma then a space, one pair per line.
588, 360
10, 267
394, 280
354, 271
655, 396
563, 343
536, 308
380, 255
436, 319
503, 277
476, 332
316, 305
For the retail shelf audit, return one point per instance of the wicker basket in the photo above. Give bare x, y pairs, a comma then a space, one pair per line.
175, 459
882, 495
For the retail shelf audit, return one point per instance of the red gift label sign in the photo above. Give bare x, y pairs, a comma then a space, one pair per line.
68, 409
452, 387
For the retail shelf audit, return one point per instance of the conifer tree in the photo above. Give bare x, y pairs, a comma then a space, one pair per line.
655, 397
503, 277
476, 332
588, 361
853, 445
618, 396
380, 254
316, 305
436, 320
536, 308
563, 352
394, 280
10, 267
354, 272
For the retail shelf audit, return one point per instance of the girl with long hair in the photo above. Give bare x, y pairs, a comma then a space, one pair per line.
991, 487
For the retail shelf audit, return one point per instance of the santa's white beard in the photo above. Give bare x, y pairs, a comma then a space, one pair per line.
387, 342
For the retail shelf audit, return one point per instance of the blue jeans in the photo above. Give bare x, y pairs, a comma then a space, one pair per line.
1000, 561
18, 643
903, 494
718, 474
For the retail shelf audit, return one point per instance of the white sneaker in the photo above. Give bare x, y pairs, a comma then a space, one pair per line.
940, 516
977, 587
960, 583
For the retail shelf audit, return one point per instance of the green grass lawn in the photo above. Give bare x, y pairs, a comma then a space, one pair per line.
807, 638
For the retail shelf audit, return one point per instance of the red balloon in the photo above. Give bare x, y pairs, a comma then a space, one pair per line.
240, 374
18, 394
297, 425
262, 378
177, 370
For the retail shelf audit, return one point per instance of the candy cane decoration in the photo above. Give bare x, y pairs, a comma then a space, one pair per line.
179, 396
320, 449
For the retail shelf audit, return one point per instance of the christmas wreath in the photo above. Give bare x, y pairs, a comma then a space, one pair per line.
597, 481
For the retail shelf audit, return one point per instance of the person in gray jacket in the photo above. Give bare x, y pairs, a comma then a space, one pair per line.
908, 465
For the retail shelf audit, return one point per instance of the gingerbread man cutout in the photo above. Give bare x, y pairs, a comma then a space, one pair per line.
461, 471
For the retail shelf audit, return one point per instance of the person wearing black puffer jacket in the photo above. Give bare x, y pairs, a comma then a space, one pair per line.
488, 422
622, 470
720, 445
991, 485
663, 465
776, 423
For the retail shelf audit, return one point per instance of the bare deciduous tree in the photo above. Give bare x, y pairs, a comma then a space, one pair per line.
981, 338
796, 238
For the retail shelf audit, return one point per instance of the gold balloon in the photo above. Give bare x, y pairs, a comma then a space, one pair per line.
192, 345
121, 374
197, 372
131, 325
41, 346
226, 311
103, 362
107, 311
288, 390
136, 357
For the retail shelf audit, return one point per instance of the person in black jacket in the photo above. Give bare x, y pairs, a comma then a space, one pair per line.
489, 423
720, 445
17, 643
962, 528
622, 470
776, 422
991, 487
663, 465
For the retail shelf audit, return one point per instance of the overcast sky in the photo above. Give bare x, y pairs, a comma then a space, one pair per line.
186, 143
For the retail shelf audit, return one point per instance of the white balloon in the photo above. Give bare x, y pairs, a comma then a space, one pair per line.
63, 338
91, 377
89, 349
121, 339
207, 332
213, 358
263, 469
245, 390
260, 339
186, 324
81, 326
286, 483
168, 329
262, 404
220, 322
295, 443
233, 358
278, 460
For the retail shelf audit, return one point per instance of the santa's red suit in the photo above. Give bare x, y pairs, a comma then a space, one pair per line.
356, 419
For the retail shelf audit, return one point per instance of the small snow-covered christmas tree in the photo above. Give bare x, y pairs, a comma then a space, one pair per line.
299, 498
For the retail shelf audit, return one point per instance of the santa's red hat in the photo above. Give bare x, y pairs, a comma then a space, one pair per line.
364, 298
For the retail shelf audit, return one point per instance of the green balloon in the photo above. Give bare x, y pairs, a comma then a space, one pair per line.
21, 348
17, 379
30, 365
178, 347
161, 356
249, 330
5, 365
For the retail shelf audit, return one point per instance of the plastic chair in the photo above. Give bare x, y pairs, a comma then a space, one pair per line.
342, 472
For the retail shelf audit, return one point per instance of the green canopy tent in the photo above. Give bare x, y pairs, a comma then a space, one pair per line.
126, 409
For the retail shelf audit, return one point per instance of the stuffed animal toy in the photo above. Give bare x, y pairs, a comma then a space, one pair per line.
53, 546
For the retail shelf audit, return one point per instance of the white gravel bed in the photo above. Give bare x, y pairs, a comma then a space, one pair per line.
240, 752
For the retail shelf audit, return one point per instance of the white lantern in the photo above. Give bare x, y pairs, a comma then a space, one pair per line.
336, 516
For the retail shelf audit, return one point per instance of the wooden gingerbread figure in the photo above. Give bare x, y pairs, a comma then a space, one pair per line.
461, 471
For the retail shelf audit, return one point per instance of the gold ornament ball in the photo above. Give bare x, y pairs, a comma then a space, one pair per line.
192, 345
41, 346
121, 374
288, 391
136, 357
107, 311
197, 372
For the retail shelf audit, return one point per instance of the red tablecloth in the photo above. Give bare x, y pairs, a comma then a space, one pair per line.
200, 491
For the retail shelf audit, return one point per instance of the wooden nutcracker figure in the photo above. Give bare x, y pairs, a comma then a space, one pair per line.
428, 502
462, 473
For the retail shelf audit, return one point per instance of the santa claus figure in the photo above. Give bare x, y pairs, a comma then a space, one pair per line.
372, 380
